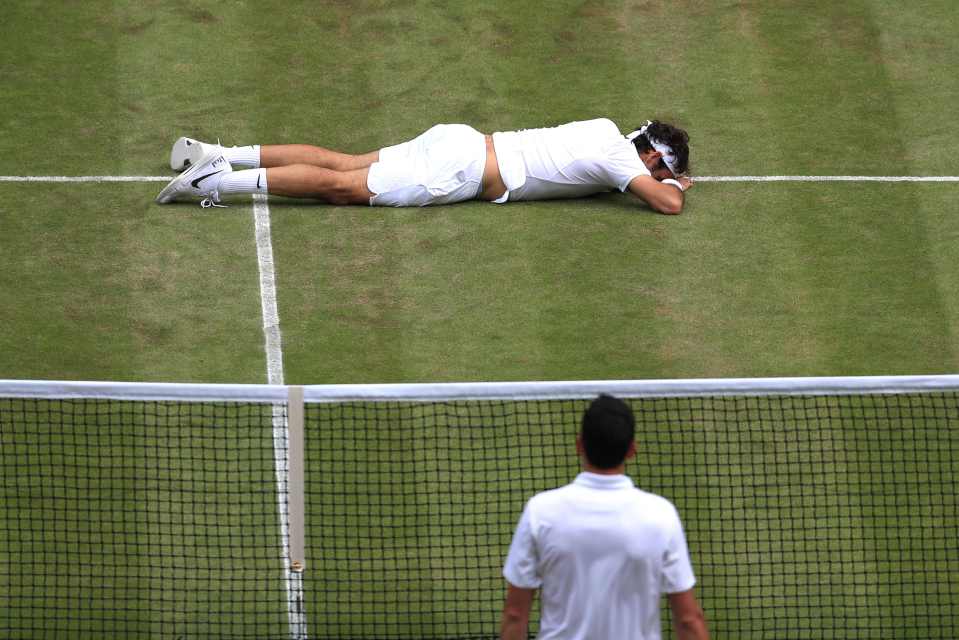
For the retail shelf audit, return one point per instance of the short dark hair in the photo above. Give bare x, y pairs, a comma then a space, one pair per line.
676, 138
608, 429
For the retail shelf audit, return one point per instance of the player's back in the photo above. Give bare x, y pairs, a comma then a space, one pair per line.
572, 160
603, 546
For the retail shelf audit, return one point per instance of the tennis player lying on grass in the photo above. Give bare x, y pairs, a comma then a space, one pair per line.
600, 551
449, 163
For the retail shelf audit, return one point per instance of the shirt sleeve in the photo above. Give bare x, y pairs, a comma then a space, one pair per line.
677, 569
623, 164
522, 563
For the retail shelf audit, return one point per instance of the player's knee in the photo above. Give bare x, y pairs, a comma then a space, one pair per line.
346, 189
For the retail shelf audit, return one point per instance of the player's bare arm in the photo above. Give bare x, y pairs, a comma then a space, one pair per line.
661, 196
689, 621
515, 621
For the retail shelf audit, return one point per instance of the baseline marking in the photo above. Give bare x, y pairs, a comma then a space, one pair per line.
296, 610
695, 178
85, 178
826, 179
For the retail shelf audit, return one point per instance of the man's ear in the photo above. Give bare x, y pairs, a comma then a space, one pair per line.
650, 158
579, 445
631, 452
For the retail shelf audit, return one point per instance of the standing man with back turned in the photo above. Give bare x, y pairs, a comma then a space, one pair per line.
601, 551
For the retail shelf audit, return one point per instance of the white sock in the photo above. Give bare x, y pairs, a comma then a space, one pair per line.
245, 181
248, 156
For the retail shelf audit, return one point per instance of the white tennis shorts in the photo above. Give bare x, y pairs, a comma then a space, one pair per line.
440, 166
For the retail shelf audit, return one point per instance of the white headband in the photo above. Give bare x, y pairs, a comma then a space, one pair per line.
669, 158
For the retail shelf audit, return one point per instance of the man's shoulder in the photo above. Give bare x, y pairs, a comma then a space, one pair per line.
601, 142
654, 500
550, 497
635, 504
597, 126
633, 494
654, 507
551, 494
595, 122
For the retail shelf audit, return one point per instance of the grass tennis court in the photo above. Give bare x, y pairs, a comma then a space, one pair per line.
754, 279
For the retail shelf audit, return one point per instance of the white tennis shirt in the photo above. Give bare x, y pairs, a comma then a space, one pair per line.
568, 161
602, 552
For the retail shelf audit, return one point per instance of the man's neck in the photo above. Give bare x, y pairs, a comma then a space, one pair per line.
615, 471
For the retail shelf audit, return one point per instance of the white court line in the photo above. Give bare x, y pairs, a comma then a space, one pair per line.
296, 610
695, 178
271, 317
825, 178
86, 178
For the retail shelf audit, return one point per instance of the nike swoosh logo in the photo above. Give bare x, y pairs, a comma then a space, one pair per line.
196, 183
258, 181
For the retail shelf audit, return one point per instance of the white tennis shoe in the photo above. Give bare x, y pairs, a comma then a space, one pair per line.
187, 152
199, 181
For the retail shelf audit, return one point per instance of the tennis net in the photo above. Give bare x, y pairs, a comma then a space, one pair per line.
814, 508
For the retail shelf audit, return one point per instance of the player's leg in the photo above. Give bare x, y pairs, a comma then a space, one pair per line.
281, 155
213, 177
319, 183
187, 152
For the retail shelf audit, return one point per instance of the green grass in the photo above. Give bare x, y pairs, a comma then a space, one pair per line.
110, 287
753, 280
743, 286
762, 279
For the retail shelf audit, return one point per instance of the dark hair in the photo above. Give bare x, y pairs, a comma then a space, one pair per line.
608, 430
675, 137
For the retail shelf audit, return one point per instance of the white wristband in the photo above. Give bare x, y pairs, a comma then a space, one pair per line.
675, 183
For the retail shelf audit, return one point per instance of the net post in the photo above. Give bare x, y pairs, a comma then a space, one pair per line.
295, 483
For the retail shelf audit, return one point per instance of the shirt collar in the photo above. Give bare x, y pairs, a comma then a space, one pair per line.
603, 482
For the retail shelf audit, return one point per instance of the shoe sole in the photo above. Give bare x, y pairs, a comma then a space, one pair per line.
185, 153
168, 193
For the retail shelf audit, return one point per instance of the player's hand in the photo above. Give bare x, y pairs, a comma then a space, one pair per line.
686, 182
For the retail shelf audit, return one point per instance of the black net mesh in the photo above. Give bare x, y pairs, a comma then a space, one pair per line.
807, 517
139, 520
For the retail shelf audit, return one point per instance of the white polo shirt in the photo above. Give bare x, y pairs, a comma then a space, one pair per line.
602, 553
568, 161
